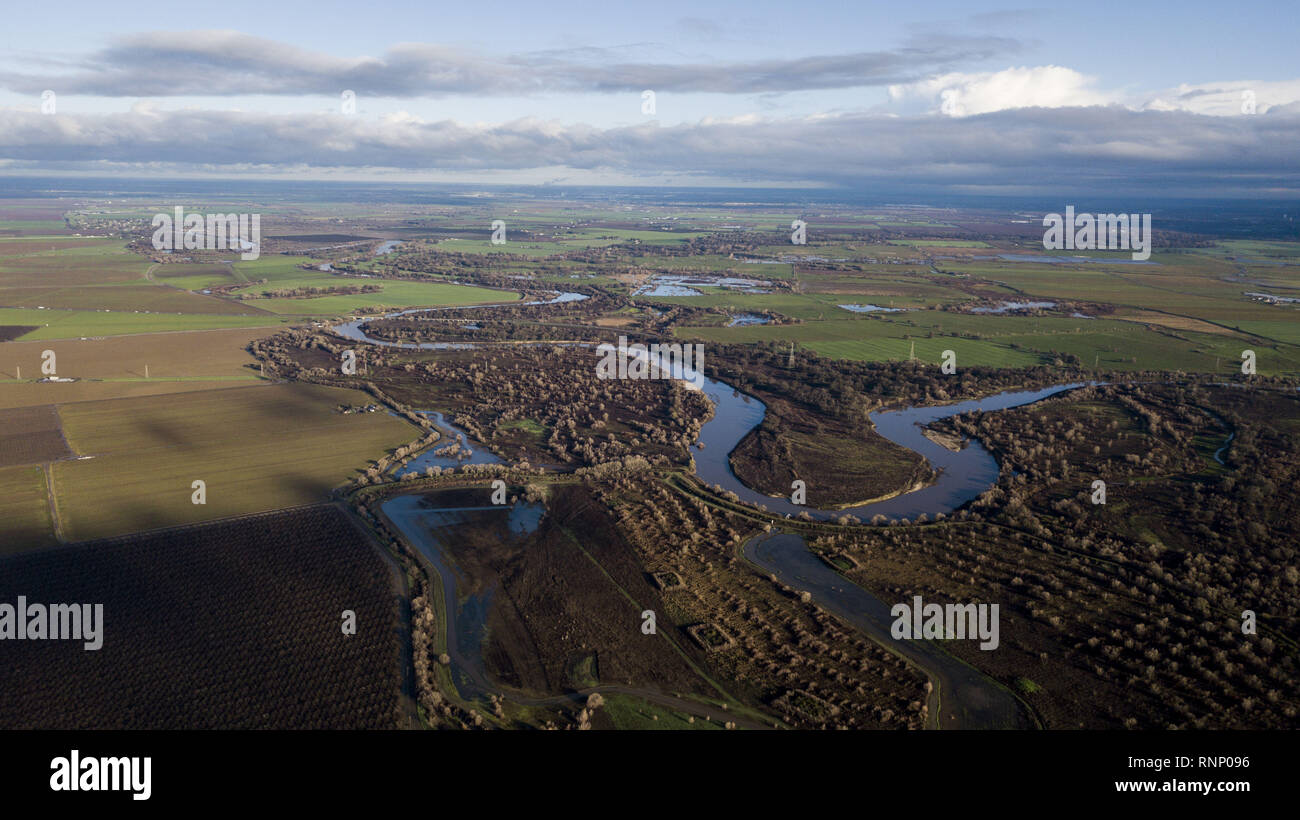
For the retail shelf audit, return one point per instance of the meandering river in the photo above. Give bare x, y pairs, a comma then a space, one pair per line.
963, 698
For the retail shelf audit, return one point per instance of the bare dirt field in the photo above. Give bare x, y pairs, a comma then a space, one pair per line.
31, 435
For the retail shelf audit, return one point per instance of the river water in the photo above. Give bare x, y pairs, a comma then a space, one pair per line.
963, 698
476, 453
352, 330
963, 475
428, 528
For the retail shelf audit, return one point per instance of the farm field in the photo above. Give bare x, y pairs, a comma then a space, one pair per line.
209, 355
123, 298
623, 519
197, 276
31, 435
518, 247
394, 294
257, 448
74, 324
229, 625
1162, 317
73, 267
627, 712
43, 228
30, 393
70, 274
270, 268
24, 509
21, 246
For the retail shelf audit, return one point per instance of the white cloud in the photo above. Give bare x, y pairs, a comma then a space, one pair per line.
959, 94
1226, 99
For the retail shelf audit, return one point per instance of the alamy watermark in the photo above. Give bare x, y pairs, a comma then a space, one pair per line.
210, 232
22, 621
922, 621
75, 773
1108, 232
684, 362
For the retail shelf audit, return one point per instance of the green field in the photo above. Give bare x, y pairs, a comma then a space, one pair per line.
198, 277
272, 268
257, 448
33, 227
75, 324
629, 712
24, 509
395, 293
1013, 341
131, 298
77, 279
940, 243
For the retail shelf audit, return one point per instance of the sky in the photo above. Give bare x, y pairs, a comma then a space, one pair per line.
1187, 98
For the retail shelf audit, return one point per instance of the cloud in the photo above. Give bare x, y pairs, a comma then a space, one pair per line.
228, 63
1226, 98
1110, 149
960, 95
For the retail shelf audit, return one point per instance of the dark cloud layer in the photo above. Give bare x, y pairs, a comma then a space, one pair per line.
227, 63
1097, 148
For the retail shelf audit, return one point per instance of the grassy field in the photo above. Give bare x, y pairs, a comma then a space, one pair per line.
1281, 330
198, 276
1256, 249
94, 287
31, 227
799, 306
74, 324
124, 298
257, 448
24, 509
1012, 341
271, 268
969, 353
1184, 313
521, 248
29, 394
14, 246
73, 267
1182, 284
395, 293
939, 243
630, 712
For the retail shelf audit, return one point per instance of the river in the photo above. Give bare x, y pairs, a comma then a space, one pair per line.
963, 475
425, 526
963, 696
